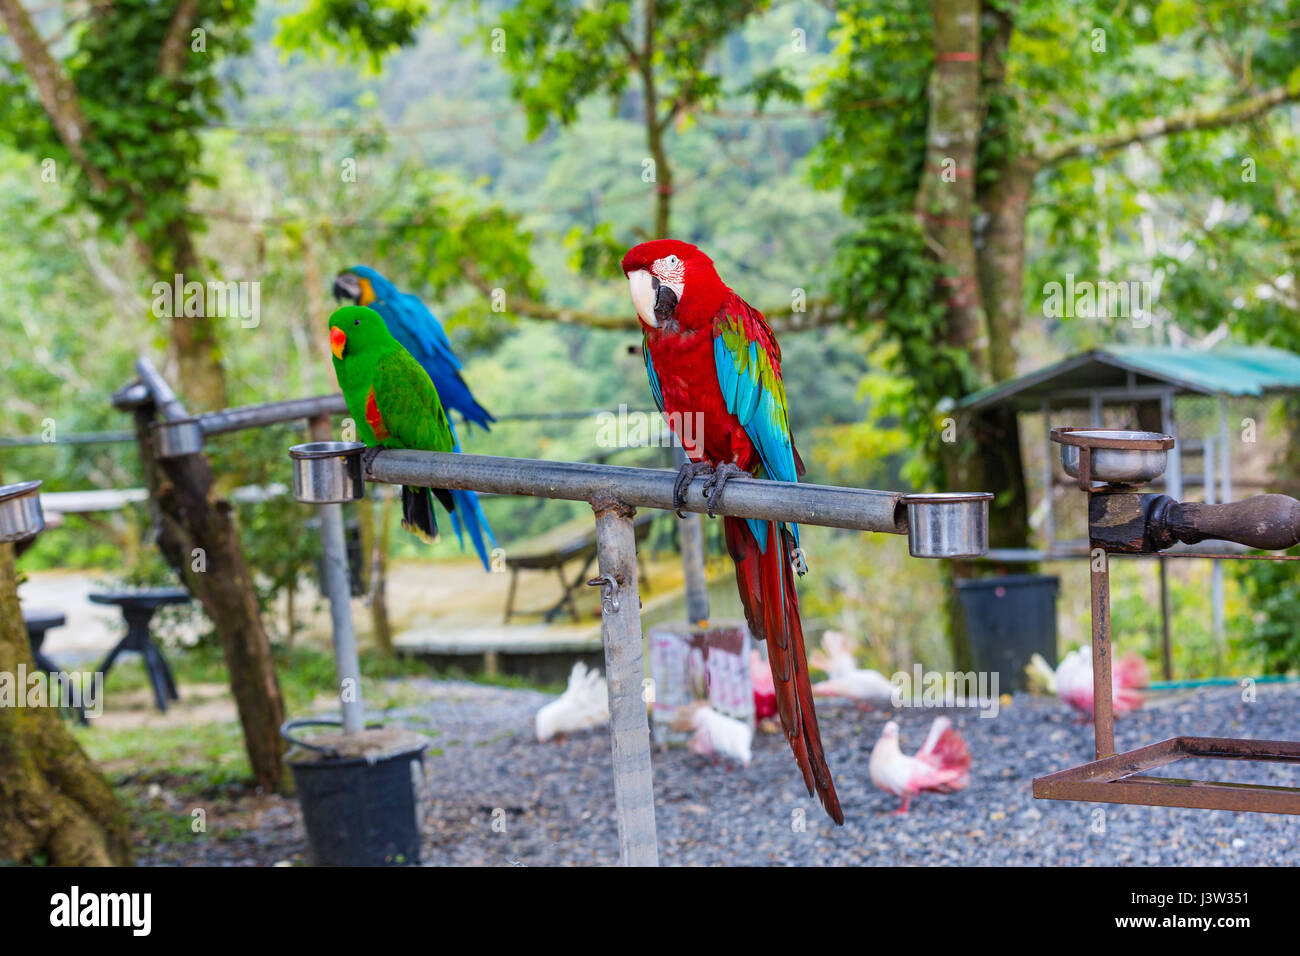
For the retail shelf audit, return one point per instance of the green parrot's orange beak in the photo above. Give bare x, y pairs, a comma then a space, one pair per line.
338, 339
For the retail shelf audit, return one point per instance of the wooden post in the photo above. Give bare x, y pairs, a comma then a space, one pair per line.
690, 532
629, 731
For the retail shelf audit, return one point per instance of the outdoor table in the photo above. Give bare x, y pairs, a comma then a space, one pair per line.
37, 622
138, 608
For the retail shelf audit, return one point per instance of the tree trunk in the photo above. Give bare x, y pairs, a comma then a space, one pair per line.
199, 376
55, 807
945, 204
199, 539
945, 200
374, 544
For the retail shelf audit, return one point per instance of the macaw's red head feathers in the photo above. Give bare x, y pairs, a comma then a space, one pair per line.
673, 282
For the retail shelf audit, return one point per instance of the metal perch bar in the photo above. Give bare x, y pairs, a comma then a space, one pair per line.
832, 507
614, 493
271, 413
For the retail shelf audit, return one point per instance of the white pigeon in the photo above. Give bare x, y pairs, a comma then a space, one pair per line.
719, 735
846, 679
583, 705
942, 765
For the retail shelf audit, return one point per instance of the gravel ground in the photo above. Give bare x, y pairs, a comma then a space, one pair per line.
556, 800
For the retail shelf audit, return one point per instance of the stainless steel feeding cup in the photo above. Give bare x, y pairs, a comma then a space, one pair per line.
20, 511
328, 472
1114, 459
178, 437
948, 524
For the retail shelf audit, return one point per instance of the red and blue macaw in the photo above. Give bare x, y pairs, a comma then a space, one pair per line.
419, 332
712, 359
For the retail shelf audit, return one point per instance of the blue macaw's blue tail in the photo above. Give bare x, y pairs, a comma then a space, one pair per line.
469, 516
452, 390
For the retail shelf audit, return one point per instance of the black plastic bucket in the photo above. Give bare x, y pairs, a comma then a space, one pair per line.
1008, 619
359, 811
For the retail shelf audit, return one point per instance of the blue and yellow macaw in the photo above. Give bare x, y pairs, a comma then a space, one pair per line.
421, 334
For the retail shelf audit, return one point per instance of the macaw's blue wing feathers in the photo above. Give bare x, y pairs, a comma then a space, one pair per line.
754, 392
421, 334
652, 375
469, 516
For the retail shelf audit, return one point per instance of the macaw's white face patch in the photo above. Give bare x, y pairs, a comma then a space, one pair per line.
671, 271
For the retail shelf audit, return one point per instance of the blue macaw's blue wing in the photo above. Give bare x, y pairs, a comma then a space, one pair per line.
755, 394
420, 333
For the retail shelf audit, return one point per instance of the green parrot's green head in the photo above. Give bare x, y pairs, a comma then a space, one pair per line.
356, 331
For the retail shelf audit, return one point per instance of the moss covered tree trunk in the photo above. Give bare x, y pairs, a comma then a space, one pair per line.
54, 805
199, 539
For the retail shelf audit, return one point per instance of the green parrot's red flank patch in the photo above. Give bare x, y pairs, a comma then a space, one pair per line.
373, 418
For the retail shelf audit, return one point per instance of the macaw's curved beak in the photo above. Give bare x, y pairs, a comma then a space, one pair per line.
665, 302
347, 286
655, 302
338, 339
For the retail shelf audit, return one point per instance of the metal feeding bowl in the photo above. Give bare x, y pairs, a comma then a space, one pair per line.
328, 472
948, 524
178, 437
1112, 455
20, 511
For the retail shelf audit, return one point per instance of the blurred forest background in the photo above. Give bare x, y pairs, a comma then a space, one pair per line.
464, 148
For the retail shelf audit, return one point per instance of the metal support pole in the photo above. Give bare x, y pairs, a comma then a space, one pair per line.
1166, 647
1049, 477
346, 662
629, 731
1102, 710
1174, 471
690, 532
1212, 476
339, 591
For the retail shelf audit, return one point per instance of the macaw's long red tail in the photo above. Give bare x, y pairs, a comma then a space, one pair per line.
766, 582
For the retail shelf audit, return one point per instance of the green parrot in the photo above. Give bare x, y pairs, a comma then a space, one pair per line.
393, 402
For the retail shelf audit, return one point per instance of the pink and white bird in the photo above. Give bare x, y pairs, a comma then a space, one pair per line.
846, 679
1072, 681
942, 765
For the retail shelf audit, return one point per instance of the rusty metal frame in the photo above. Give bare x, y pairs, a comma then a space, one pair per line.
1123, 778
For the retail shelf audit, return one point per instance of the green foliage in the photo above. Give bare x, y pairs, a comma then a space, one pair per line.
144, 126
560, 53
876, 97
1270, 612
356, 30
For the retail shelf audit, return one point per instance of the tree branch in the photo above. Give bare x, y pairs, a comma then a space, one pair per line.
54, 88
1167, 125
171, 55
